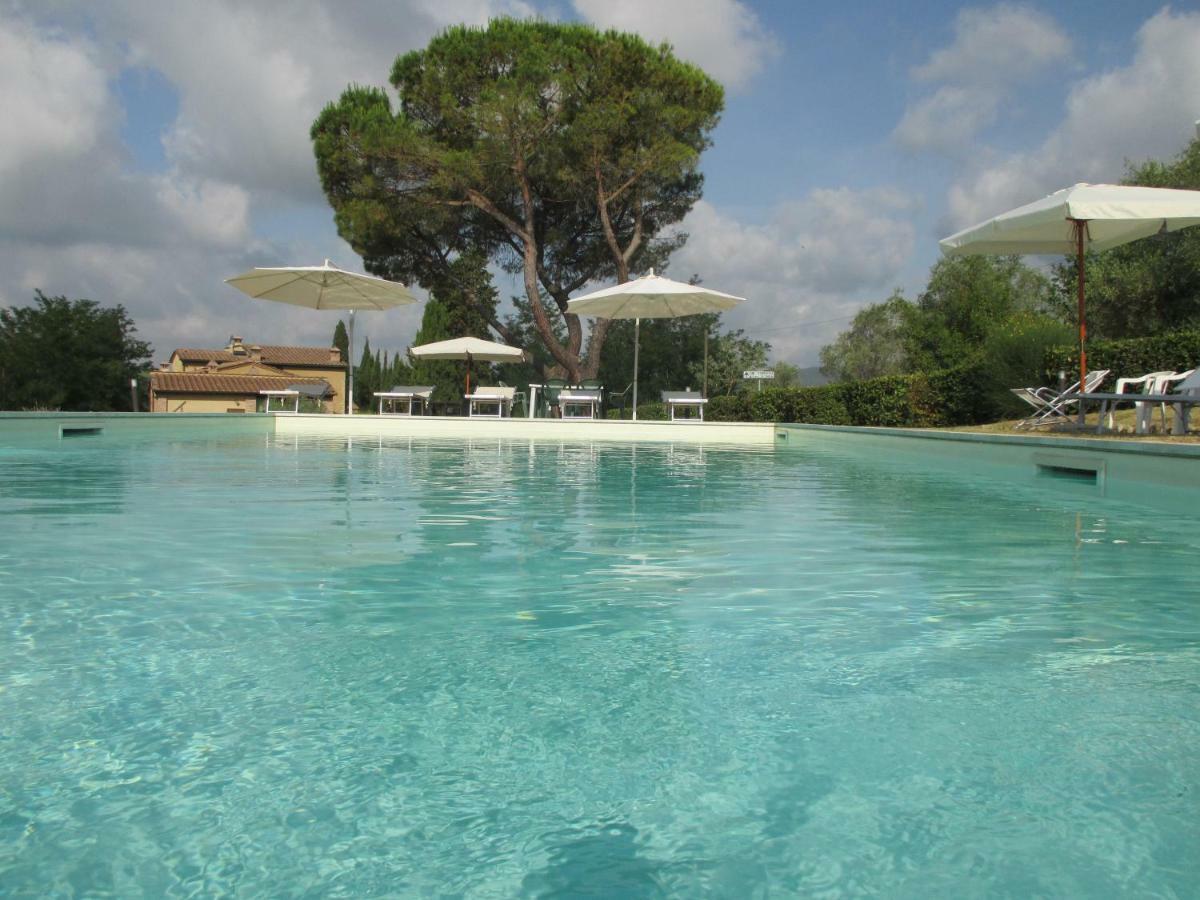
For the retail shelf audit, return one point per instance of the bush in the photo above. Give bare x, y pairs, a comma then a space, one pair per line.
651, 412
1172, 350
950, 397
733, 408
1014, 355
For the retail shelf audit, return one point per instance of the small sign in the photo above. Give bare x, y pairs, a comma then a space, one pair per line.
758, 375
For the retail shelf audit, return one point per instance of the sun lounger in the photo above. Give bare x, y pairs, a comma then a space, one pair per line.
487, 398
579, 403
408, 395
687, 401
1053, 406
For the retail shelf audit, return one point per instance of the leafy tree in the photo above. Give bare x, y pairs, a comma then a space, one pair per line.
561, 152
787, 375
729, 356
69, 355
1147, 286
873, 346
968, 297
670, 354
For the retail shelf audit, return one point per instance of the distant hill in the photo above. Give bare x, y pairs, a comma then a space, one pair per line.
812, 377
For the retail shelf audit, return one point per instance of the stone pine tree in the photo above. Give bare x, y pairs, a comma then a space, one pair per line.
559, 152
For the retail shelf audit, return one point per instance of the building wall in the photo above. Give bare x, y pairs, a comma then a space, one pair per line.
335, 377
218, 403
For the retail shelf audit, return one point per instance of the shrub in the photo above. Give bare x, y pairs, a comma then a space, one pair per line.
734, 408
651, 412
1014, 355
1172, 350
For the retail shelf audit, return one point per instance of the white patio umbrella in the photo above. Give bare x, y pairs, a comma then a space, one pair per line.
324, 287
650, 297
1075, 219
468, 348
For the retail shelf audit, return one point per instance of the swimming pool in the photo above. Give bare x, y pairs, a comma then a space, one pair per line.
268, 665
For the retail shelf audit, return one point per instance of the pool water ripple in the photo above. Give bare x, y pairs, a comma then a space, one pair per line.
300, 667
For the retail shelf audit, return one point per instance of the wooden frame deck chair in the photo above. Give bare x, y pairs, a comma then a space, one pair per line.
579, 402
1050, 406
485, 398
407, 394
678, 401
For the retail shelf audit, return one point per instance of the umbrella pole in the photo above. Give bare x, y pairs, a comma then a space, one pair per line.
637, 330
704, 393
350, 364
1080, 228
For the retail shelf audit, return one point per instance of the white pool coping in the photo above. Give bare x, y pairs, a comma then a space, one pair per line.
517, 428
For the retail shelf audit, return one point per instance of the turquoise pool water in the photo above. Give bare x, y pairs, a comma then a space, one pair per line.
278, 667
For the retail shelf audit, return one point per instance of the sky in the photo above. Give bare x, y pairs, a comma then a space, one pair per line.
152, 148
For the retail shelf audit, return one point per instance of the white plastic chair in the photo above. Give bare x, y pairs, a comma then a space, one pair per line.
1163, 385
1149, 385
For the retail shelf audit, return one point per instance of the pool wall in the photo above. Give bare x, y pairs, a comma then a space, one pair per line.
756, 433
1162, 474
39, 428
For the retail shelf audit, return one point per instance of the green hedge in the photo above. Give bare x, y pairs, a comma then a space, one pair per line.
649, 412
951, 397
1175, 350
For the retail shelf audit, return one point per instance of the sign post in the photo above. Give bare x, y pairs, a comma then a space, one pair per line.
759, 375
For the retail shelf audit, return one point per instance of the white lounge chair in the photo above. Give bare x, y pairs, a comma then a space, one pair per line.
485, 398
407, 394
684, 400
579, 403
1052, 406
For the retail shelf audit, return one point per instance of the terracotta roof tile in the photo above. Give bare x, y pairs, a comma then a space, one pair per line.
271, 354
202, 383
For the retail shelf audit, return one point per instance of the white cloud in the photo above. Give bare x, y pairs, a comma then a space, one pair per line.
1002, 44
723, 37
55, 98
1139, 111
63, 175
814, 261
252, 77
993, 50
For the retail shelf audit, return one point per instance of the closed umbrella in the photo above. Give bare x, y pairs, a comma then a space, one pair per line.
650, 297
468, 348
1076, 219
324, 287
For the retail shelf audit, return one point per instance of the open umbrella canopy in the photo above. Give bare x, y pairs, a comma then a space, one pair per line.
1115, 214
1075, 220
324, 287
468, 348
652, 297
